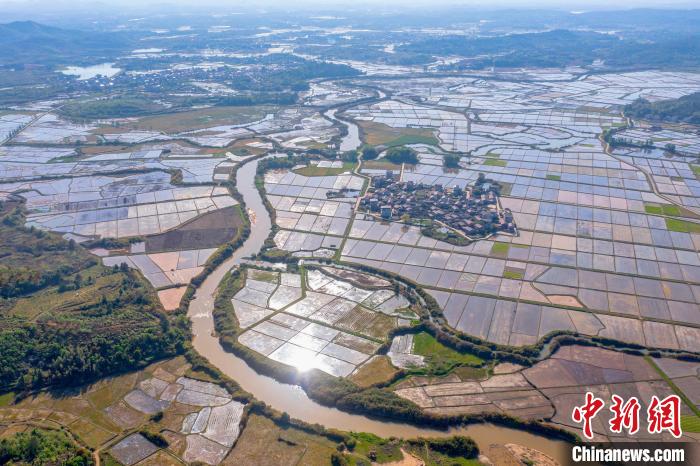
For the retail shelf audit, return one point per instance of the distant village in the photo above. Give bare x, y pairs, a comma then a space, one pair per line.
473, 211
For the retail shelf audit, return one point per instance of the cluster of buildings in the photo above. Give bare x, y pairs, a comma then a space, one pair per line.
473, 211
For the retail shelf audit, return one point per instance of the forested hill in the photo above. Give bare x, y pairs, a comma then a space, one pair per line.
564, 47
685, 109
65, 318
28, 42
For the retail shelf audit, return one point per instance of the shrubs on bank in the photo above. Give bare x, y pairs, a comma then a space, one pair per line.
456, 447
382, 403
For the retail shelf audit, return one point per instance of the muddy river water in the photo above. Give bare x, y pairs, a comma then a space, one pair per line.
292, 398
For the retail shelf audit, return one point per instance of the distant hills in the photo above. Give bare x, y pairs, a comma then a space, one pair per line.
19, 31
28, 42
668, 40
563, 47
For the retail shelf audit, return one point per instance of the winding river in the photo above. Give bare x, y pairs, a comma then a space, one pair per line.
292, 398
351, 141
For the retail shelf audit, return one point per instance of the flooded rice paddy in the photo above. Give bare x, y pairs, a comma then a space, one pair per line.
292, 399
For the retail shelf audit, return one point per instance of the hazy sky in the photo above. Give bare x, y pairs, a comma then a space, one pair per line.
74, 13
330, 4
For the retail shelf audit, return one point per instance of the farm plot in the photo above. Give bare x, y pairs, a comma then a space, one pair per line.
221, 127
396, 114
401, 352
208, 230
148, 195
210, 418
506, 392
213, 127
574, 370
313, 131
605, 261
166, 268
264, 443
109, 414
329, 94
316, 327
551, 388
686, 143
11, 122
116, 206
50, 129
675, 175
36, 155
133, 449
23, 163
313, 212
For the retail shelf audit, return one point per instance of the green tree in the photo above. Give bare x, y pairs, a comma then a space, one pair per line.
338, 459
349, 156
402, 154
451, 161
42, 447
369, 152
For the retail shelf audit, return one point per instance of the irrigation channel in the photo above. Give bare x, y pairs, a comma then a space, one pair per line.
292, 398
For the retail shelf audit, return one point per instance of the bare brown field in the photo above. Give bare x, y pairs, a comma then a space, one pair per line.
265, 444
376, 370
196, 119
376, 134
207, 231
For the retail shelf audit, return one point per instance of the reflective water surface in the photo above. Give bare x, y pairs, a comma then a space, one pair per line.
351, 141
87, 72
293, 399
